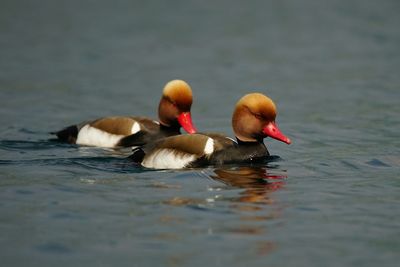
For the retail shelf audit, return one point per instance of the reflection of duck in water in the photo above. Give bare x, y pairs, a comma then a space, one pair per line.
246, 177
253, 201
253, 119
256, 180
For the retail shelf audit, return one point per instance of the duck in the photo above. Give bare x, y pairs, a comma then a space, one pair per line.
129, 131
253, 120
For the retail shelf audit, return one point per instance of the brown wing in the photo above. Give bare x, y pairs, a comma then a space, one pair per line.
221, 141
123, 125
194, 143
147, 124
188, 143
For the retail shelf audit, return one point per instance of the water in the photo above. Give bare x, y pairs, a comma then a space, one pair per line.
330, 200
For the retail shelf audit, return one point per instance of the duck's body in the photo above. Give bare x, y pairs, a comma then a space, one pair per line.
253, 120
117, 131
196, 150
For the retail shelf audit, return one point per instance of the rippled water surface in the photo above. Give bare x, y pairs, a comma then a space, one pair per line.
330, 199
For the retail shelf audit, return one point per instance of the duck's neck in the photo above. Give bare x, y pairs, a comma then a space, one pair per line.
249, 143
175, 128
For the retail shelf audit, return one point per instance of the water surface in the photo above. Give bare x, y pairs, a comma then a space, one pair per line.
330, 199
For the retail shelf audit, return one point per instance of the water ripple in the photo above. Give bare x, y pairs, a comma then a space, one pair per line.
377, 163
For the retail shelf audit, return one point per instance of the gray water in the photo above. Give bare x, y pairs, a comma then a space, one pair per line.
331, 199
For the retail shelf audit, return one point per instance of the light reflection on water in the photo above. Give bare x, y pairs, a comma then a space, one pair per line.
257, 182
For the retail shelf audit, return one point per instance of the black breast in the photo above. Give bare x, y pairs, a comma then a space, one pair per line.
240, 153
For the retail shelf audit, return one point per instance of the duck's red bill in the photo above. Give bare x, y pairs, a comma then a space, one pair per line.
272, 130
185, 120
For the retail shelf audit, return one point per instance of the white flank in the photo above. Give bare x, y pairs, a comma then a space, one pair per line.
135, 127
209, 147
167, 159
91, 136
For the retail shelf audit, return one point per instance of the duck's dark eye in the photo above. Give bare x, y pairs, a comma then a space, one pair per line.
258, 116
171, 101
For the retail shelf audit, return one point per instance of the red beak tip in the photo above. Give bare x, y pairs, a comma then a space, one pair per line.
185, 120
192, 131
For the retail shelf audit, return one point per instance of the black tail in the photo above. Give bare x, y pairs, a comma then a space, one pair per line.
137, 155
68, 134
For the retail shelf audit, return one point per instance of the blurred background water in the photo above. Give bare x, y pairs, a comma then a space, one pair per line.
332, 67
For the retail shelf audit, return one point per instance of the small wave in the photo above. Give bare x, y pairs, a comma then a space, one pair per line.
13, 145
106, 164
377, 163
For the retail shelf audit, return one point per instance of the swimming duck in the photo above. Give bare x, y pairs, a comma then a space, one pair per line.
253, 119
120, 131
